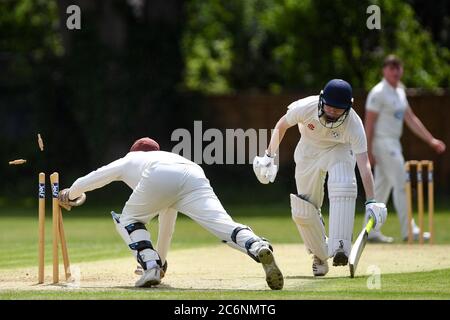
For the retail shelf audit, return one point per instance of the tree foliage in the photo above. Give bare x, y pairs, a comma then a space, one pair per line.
132, 67
28, 38
295, 44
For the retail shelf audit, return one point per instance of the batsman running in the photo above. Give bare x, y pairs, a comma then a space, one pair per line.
332, 141
164, 183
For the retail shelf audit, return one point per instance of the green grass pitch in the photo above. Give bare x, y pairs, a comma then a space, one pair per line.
91, 237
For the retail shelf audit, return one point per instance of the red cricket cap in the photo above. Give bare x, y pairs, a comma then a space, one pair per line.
145, 144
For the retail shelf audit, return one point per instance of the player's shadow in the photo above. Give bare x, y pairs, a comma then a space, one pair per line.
166, 287
50, 285
314, 278
161, 286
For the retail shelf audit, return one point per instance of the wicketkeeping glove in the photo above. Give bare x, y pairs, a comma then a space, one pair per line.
66, 203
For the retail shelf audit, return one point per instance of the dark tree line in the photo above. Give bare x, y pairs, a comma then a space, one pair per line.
141, 67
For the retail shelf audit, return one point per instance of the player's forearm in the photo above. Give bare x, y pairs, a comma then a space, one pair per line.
95, 180
365, 172
98, 178
368, 184
277, 136
417, 127
85, 184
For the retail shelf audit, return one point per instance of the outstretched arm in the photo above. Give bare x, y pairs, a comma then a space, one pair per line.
416, 126
277, 135
97, 179
264, 167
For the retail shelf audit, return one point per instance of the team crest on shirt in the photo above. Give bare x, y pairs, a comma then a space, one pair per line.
399, 115
311, 126
335, 134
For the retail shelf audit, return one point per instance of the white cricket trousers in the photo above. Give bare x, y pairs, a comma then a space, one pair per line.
185, 188
312, 166
390, 176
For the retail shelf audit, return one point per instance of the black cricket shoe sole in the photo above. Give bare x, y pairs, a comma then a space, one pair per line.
340, 259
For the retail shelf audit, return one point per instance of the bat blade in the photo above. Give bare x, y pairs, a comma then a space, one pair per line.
358, 247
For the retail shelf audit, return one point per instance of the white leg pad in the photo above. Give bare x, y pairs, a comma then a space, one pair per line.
145, 255
122, 232
148, 254
342, 192
311, 226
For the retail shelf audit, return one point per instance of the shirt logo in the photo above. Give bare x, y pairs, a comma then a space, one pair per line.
335, 134
398, 115
311, 126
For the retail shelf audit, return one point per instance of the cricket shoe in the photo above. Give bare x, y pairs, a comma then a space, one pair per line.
378, 237
340, 258
274, 277
140, 271
151, 277
319, 267
426, 236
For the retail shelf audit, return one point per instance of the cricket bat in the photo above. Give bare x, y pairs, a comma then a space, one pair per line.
358, 247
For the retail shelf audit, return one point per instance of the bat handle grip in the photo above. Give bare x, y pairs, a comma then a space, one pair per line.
370, 225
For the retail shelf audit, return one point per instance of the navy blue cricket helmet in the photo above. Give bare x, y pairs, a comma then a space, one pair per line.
337, 93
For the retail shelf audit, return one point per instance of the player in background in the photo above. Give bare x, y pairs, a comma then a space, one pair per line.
387, 108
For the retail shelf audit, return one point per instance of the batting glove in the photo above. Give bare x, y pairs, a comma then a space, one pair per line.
378, 212
265, 169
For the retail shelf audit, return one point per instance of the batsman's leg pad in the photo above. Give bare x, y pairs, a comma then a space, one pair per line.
310, 225
342, 192
139, 241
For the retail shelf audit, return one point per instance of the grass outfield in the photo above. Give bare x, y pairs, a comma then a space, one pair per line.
418, 285
91, 237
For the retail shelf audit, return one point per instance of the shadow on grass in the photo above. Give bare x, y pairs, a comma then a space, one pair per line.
314, 278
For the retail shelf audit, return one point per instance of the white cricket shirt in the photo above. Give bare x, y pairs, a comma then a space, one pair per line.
304, 112
390, 103
128, 169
